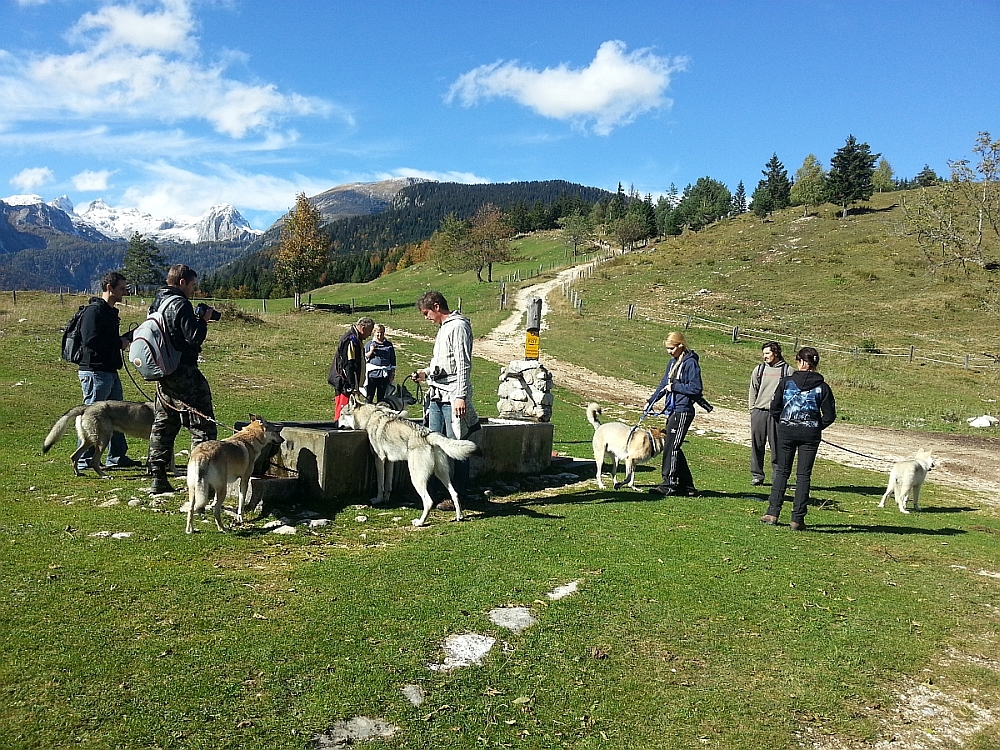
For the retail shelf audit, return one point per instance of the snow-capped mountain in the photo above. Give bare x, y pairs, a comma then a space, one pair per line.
221, 223
218, 224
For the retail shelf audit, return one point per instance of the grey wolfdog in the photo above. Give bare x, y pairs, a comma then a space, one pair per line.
215, 463
395, 438
623, 443
95, 423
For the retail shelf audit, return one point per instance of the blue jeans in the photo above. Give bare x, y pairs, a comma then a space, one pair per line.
439, 420
102, 386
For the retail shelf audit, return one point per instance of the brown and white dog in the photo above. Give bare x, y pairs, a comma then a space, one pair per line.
215, 463
624, 443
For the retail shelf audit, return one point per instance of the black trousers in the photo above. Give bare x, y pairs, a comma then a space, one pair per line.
676, 474
788, 447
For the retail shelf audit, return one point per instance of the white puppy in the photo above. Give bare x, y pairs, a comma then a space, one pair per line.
906, 478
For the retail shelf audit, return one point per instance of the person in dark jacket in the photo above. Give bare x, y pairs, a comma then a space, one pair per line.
183, 397
381, 357
681, 387
347, 371
101, 359
803, 407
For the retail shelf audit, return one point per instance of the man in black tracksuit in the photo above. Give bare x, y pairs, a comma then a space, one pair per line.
186, 386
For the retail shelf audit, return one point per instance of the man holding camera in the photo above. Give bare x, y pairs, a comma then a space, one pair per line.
183, 397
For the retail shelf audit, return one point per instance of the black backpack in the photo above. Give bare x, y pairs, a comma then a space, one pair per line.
72, 341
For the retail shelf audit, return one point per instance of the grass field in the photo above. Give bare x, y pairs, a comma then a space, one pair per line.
694, 625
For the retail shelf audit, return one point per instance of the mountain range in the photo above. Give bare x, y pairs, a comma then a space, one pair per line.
99, 222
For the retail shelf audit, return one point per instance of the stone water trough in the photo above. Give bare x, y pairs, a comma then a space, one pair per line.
319, 462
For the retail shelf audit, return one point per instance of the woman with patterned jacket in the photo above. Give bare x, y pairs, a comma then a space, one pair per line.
803, 406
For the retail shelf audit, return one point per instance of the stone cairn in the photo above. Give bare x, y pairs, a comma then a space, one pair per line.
525, 391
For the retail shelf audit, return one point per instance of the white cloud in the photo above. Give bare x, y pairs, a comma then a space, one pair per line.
134, 64
90, 181
171, 191
613, 90
467, 178
29, 180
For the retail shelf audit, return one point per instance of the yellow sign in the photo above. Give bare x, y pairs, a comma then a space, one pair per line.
531, 346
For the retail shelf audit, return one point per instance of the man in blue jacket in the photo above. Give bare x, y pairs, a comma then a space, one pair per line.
681, 387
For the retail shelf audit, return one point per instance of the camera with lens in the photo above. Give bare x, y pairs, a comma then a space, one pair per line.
200, 311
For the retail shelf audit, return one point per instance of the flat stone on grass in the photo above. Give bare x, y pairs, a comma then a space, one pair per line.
463, 650
359, 729
514, 619
560, 592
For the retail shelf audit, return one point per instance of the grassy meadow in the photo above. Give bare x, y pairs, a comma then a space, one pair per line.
694, 625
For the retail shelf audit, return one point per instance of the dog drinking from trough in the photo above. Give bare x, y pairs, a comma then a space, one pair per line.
395, 438
213, 464
624, 443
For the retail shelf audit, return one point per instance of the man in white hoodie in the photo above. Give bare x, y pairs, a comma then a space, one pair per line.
763, 429
449, 377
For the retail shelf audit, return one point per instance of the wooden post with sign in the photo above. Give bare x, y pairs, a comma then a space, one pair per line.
534, 325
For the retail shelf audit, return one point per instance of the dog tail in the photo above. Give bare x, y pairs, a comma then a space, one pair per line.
594, 412
456, 449
59, 428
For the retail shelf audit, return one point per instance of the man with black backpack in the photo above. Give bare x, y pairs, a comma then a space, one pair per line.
183, 397
99, 356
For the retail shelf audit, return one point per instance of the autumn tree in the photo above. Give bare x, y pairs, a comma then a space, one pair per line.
810, 184
302, 253
850, 177
958, 221
882, 180
577, 230
144, 265
474, 245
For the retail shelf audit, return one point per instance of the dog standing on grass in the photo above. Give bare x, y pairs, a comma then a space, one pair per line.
906, 478
96, 422
624, 443
213, 464
395, 438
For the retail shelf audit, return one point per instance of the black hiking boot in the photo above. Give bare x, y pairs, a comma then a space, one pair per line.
161, 485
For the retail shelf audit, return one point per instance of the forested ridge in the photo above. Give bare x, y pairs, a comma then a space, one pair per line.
362, 247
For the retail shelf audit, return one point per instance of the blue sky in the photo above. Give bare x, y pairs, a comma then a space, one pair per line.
175, 105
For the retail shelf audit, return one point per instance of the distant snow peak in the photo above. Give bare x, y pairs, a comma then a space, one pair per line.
63, 203
23, 200
221, 223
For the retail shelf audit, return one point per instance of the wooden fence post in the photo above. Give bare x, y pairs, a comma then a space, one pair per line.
263, 305
736, 334
911, 352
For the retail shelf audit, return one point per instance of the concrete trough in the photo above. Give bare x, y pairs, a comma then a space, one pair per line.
317, 461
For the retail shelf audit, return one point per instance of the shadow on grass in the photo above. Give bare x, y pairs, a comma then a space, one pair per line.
852, 489
954, 509
856, 528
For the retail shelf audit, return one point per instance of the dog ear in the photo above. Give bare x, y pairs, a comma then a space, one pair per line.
255, 418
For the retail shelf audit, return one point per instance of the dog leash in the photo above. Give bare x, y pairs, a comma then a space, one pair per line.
856, 453
188, 407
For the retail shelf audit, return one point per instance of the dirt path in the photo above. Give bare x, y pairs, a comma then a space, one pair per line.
966, 462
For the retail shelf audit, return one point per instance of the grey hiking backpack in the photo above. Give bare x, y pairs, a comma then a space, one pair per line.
152, 352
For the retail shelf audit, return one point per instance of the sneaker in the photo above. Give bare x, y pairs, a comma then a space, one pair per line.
689, 492
124, 463
446, 505
797, 525
769, 519
662, 491
757, 482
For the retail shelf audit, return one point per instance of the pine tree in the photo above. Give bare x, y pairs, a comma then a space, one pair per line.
739, 204
778, 185
761, 202
851, 171
810, 184
144, 265
927, 177
302, 255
